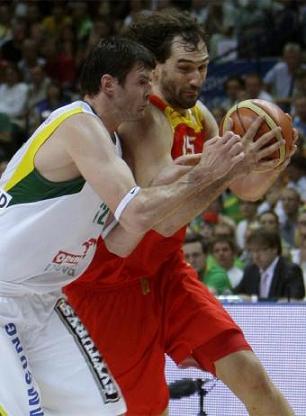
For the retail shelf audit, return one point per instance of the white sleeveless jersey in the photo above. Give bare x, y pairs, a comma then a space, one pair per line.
48, 230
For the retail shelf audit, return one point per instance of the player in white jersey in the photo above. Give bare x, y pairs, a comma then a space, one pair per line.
55, 199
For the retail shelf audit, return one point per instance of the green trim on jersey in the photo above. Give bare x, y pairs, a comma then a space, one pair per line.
41, 135
35, 187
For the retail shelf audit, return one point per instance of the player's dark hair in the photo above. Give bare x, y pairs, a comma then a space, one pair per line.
156, 31
115, 56
197, 238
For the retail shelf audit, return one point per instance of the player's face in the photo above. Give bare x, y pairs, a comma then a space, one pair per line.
132, 96
181, 77
223, 254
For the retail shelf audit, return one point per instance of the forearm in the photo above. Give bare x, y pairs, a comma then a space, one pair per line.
155, 204
121, 242
253, 186
191, 208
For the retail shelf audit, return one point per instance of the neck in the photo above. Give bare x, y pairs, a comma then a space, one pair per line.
103, 111
156, 91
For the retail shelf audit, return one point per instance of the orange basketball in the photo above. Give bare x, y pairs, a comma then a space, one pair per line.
244, 113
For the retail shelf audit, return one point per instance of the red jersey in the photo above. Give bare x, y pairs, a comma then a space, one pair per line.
154, 250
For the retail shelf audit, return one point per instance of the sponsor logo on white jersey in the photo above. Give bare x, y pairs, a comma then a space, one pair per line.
4, 198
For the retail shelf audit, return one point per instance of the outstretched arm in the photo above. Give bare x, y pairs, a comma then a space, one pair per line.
88, 148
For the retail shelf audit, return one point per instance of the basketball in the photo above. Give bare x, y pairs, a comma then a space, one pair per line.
244, 113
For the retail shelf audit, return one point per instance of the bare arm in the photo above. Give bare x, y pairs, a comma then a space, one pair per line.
88, 144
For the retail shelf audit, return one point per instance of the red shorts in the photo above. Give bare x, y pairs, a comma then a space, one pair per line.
136, 324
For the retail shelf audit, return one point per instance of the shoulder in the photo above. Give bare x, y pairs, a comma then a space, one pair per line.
153, 123
207, 119
250, 268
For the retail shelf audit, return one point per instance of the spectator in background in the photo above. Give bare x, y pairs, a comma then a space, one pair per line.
280, 79
270, 275
38, 87
100, 30
199, 10
11, 50
37, 92
271, 199
296, 172
269, 221
224, 229
30, 59
254, 88
136, 6
248, 211
291, 201
55, 21
5, 26
298, 255
13, 95
81, 20
211, 218
215, 278
300, 83
223, 45
224, 252
233, 88
55, 99
299, 119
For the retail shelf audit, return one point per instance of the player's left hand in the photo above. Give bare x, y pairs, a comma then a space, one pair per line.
288, 157
257, 152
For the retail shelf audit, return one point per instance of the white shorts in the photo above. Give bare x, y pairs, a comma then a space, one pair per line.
49, 365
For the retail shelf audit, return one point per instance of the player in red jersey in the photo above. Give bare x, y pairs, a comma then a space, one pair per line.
151, 303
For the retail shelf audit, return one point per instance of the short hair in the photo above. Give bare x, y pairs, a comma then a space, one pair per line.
292, 47
157, 30
115, 56
265, 238
231, 78
197, 238
223, 239
273, 213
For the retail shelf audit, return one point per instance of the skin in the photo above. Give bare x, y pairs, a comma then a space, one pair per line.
223, 254
194, 255
269, 221
291, 202
263, 256
176, 81
82, 146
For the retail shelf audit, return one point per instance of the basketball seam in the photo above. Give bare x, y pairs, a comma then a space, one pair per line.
240, 119
269, 120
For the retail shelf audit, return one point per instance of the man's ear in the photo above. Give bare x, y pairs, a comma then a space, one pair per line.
108, 84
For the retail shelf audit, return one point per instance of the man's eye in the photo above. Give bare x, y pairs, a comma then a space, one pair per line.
184, 69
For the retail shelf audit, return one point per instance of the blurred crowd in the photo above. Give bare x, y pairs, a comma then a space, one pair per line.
42, 47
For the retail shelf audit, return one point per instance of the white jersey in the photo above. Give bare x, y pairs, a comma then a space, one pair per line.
48, 230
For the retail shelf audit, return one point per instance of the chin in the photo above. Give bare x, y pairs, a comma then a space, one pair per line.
186, 104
